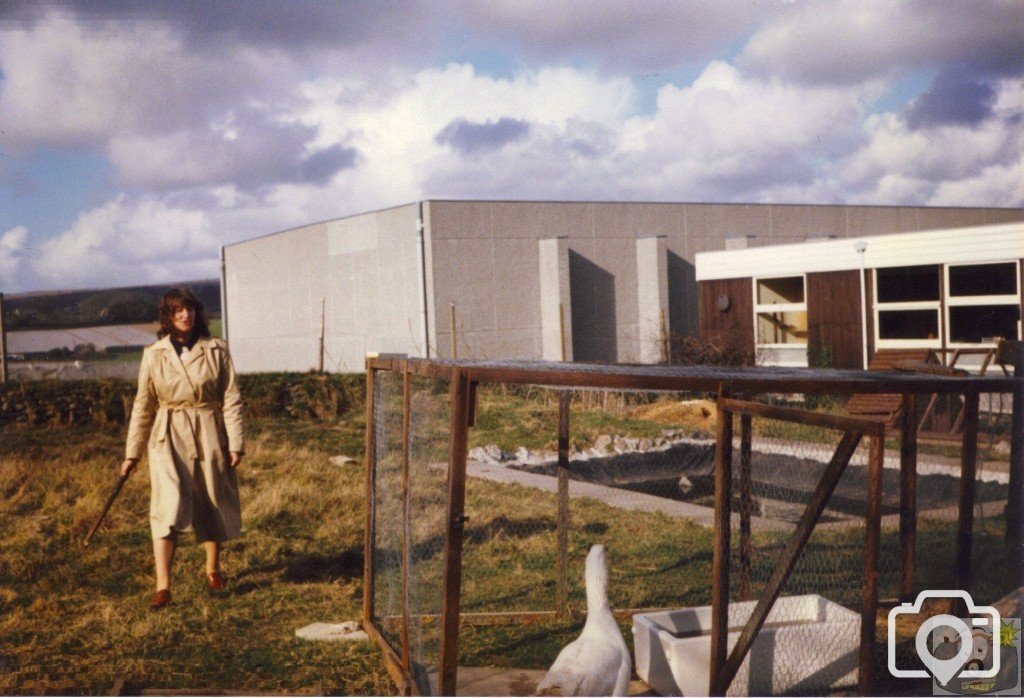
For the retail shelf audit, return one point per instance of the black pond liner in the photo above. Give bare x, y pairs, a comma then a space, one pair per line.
782, 483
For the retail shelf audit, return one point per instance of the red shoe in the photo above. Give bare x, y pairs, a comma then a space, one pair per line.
160, 599
215, 582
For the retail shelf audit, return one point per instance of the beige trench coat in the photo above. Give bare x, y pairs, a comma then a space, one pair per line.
188, 411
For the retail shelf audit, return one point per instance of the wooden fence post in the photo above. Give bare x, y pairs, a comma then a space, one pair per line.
562, 589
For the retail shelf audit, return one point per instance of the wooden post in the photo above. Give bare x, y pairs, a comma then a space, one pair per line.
746, 504
908, 496
720, 559
562, 589
3, 343
406, 521
371, 482
455, 342
872, 546
323, 309
1013, 570
452, 593
968, 484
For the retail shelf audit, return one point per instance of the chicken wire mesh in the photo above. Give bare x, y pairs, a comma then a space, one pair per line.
641, 481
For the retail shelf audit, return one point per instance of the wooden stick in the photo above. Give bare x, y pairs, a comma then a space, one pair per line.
106, 507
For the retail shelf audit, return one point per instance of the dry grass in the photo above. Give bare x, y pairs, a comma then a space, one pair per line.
74, 619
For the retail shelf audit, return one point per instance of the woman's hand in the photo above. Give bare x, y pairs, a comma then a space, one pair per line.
236, 458
128, 467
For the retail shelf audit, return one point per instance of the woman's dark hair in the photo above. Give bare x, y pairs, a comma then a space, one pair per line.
175, 299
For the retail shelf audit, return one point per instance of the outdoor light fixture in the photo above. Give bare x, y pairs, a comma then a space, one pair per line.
861, 246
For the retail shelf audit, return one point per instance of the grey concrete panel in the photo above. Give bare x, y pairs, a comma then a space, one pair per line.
871, 220
797, 223
463, 274
935, 218
632, 220
515, 276
909, 219
542, 219
594, 329
460, 219
994, 216
715, 222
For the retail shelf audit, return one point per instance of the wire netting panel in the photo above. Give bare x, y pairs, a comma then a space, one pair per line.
387, 505
810, 641
429, 425
641, 481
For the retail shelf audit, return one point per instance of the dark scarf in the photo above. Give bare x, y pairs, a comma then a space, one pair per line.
178, 346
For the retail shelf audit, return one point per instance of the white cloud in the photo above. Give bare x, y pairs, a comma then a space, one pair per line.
826, 41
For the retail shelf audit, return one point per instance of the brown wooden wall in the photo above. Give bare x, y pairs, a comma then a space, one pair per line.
734, 327
833, 319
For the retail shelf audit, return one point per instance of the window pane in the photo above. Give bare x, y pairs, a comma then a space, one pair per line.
782, 328
908, 324
980, 323
908, 284
786, 290
983, 280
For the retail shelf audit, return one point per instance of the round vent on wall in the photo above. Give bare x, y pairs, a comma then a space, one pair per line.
723, 302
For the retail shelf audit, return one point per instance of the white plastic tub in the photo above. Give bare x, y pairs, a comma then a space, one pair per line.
807, 645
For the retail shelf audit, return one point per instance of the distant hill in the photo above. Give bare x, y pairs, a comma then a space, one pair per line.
107, 306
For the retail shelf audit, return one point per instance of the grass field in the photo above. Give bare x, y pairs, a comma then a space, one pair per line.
73, 620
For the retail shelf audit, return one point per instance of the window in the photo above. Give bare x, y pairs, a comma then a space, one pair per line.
983, 302
780, 312
907, 306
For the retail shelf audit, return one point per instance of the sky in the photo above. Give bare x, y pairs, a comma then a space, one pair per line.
137, 138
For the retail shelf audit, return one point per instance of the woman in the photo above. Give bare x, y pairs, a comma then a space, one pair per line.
189, 409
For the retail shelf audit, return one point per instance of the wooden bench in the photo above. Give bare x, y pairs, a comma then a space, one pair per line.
887, 406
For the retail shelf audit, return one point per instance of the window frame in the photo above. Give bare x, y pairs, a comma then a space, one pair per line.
779, 308
877, 308
979, 301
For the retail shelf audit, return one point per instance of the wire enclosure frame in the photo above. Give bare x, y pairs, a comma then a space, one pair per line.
416, 475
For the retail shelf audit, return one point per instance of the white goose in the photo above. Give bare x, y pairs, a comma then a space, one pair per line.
597, 663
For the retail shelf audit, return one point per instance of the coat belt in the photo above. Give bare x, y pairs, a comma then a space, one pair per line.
169, 413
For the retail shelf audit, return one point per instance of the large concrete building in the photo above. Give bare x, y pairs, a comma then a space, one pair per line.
586, 281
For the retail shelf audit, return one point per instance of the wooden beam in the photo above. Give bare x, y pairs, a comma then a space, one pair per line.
908, 496
720, 559
392, 661
562, 586
968, 485
406, 521
1012, 353
371, 479
859, 425
746, 504
452, 592
872, 547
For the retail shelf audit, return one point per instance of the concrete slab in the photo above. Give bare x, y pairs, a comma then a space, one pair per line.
349, 630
